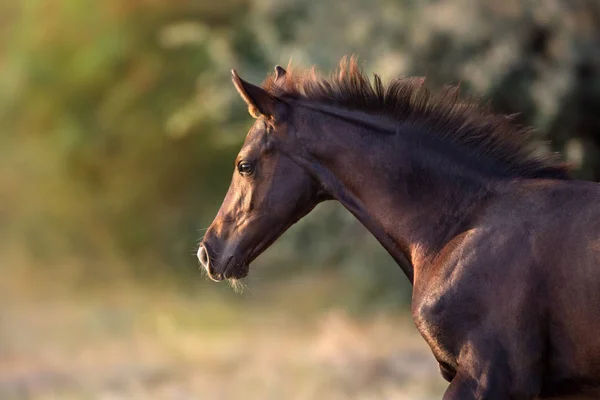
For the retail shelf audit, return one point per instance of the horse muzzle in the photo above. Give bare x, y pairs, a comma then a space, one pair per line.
218, 270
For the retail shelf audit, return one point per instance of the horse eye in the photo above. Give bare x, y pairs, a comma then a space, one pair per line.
245, 168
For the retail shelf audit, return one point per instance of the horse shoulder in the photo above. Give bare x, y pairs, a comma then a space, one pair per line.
474, 282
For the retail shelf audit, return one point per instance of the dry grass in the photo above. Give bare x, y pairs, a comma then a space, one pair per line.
136, 345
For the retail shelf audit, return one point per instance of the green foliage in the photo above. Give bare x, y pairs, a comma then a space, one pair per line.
120, 125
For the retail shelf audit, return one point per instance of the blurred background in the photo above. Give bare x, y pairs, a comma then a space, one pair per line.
118, 130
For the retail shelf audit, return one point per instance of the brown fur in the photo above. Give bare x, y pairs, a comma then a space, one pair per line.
504, 267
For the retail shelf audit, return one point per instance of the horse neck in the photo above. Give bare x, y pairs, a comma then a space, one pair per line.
407, 195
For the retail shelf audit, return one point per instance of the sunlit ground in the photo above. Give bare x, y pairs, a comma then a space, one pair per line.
127, 343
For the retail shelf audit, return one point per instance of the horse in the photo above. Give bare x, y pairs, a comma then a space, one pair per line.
500, 243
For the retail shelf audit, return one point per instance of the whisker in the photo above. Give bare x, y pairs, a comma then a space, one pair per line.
237, 285
195, 250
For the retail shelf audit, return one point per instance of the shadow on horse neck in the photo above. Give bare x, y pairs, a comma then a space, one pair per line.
410, 165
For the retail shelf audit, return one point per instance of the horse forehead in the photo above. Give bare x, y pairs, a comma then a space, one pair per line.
257, 140
256, 133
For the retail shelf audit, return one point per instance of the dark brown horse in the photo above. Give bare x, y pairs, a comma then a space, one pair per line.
502, 248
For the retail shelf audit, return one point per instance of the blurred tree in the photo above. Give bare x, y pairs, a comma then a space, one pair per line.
120, 124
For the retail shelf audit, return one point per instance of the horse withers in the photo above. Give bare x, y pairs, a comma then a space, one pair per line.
501, 246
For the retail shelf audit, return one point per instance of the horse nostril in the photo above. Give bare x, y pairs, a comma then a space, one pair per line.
203, 256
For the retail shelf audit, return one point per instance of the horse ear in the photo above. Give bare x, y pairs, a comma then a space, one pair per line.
259, 101
279, 72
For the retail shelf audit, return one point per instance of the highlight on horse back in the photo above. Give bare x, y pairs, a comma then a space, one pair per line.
461, 198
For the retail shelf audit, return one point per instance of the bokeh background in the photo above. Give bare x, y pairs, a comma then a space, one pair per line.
118, 130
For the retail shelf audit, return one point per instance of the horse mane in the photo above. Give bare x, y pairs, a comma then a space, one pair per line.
462, 122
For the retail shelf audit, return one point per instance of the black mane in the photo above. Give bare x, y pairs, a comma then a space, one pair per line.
462, 122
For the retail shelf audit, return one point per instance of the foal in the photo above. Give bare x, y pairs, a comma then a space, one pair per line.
502, 248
